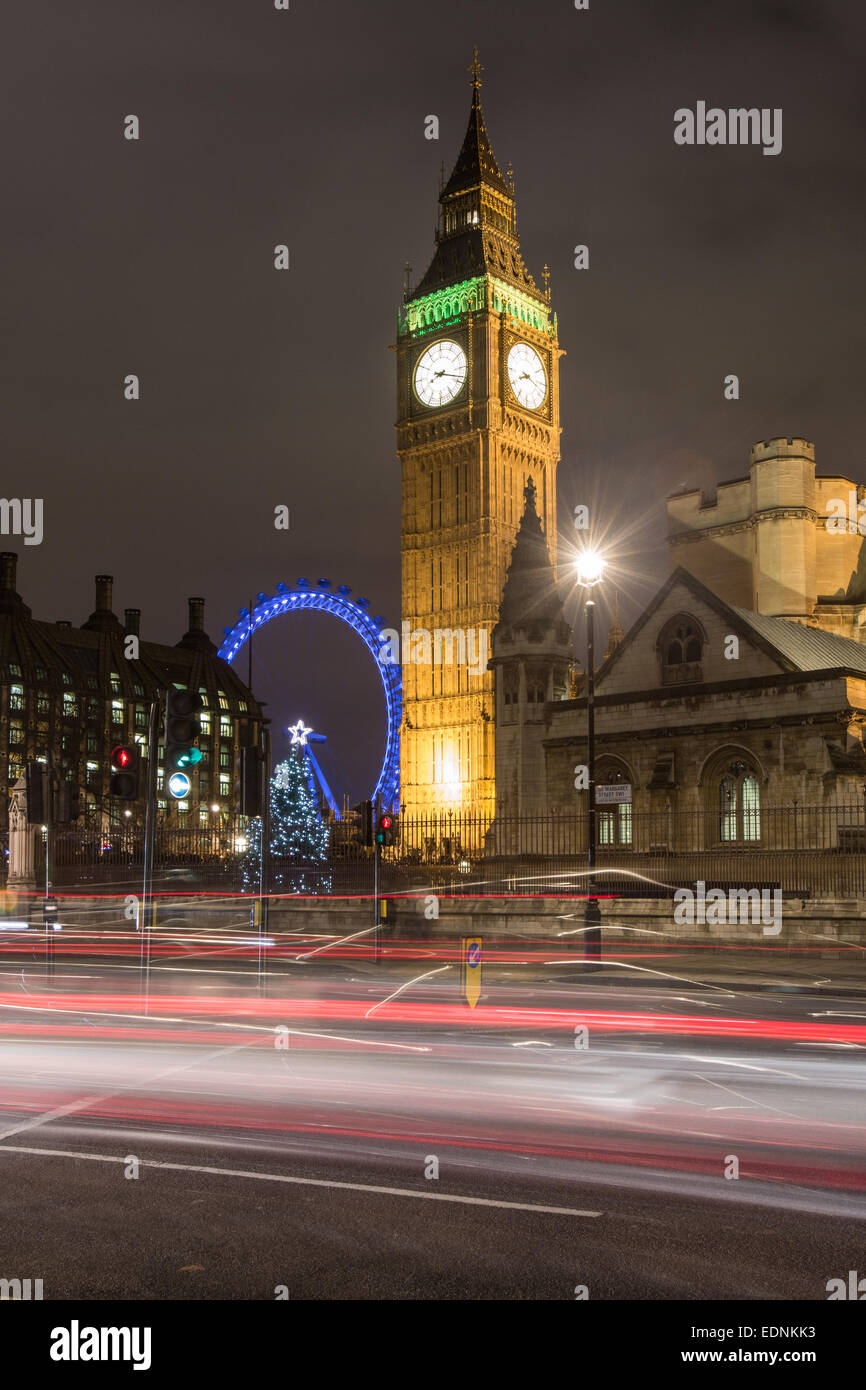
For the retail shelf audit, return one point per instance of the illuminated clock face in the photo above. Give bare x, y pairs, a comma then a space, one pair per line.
527, 376
440, 372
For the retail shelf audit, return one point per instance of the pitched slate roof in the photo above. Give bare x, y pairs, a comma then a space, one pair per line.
793, 645
808, 648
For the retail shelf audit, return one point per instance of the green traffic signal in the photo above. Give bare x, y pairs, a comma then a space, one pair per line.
182, 728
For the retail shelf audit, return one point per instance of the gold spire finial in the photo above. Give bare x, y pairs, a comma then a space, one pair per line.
476, 69
545, 275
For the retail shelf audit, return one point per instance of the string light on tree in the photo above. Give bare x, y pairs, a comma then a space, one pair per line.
300, 839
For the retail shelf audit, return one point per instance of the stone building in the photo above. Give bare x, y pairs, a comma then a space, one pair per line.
477, 359
718, 715
70, 694
776, 542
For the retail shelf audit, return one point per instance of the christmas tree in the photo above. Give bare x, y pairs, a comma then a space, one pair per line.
299, 837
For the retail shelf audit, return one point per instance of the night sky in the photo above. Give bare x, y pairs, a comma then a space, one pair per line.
259, 388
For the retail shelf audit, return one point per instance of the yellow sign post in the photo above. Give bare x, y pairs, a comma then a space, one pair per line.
470, 969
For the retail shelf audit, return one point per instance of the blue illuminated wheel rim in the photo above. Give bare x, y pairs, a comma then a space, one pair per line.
321, 597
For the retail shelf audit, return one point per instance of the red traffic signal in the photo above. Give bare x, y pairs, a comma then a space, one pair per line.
125, 767
386, 831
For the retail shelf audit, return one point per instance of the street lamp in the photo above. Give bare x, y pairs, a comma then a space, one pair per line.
590, 569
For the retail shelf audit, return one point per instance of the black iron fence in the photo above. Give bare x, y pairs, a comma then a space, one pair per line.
802, 850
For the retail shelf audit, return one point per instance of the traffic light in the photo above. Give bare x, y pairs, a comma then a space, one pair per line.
181, 731
38, 794
364, 833
252, 760
386, 832
68, 801
125, 769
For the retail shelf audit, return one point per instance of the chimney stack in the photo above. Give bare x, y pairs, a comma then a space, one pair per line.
10, 601
103, 592
8, 566
132, 621
102, 619
195, 638
196, 614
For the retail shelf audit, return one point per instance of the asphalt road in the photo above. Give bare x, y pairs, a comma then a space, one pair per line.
357, 1133
187, 1233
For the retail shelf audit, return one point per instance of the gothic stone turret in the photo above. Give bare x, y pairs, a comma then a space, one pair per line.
532, 657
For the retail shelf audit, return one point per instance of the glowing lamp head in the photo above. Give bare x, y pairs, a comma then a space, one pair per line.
590, 568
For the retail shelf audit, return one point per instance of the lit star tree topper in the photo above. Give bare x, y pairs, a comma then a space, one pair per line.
299, 733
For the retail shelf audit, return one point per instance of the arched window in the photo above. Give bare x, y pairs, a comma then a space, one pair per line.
739, 804
680, 647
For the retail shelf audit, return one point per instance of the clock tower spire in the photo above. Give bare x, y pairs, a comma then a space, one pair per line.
477, 421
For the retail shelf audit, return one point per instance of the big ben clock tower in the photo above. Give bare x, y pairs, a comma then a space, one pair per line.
477, 416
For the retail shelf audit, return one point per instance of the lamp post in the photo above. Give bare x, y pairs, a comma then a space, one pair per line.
590, 568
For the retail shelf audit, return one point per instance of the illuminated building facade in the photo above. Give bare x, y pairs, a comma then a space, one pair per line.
477, 416
69, 695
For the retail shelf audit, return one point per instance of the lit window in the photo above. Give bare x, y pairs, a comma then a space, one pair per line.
16, 697
224, 700
70, 704
739, 804
225, 727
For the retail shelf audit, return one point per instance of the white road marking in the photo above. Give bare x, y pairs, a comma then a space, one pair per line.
308, 1182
